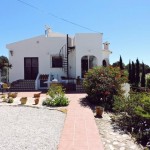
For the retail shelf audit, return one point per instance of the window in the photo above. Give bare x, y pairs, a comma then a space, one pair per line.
56, 62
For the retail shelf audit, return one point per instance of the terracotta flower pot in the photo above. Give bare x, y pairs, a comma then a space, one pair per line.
37, 95
13, 95
36, 101
99, 111
23, 100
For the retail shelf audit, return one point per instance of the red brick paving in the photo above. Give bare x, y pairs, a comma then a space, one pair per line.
80, 131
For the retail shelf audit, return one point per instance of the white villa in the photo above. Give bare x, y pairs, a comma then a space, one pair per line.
58, 56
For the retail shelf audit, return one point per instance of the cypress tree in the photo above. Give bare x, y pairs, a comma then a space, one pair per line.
137, 76
133, 73
143, 76
121, 64
130, 73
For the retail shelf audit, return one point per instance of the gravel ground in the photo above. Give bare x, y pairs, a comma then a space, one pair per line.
112, 137
26, 128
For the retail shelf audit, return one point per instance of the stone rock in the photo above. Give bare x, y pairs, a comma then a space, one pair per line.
111, 147
115, 143
122, 148
113, 137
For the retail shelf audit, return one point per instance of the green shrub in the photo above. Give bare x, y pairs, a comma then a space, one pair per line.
148, 82
57, 101
57, 97
55, 89
60, 101
47, 102
102, 83
119, 103
136, 118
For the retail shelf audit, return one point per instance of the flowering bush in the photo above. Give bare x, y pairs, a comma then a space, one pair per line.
57, 96
101, 83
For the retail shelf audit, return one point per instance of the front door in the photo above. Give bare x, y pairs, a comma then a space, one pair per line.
87, 62
84, 66
30, 68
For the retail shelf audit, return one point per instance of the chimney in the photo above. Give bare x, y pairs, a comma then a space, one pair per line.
106, 46
47, 31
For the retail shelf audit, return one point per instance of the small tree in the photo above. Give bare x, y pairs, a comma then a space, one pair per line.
133, 73
4, 62
143, 76
137, 76
121, 64
130, 73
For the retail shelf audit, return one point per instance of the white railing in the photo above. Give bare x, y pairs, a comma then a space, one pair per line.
37, 83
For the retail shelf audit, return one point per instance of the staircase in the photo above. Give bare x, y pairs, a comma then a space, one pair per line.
64, 53
22, 85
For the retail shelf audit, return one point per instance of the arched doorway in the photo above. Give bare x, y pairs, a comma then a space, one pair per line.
87, 62
104, 63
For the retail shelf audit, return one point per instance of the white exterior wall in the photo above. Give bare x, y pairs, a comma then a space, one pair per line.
88, 44
41, 47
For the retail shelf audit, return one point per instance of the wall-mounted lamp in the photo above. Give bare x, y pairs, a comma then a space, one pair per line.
11, 52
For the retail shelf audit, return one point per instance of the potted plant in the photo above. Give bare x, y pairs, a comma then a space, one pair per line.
23, 100
99, 111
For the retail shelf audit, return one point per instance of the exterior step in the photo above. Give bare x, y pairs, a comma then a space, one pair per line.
23, 85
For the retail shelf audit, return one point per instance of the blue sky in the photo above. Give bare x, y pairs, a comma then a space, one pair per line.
124, 23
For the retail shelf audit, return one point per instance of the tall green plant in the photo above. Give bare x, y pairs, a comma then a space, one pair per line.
143, 76
133, 73
137, 76
121, 63
130, 73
